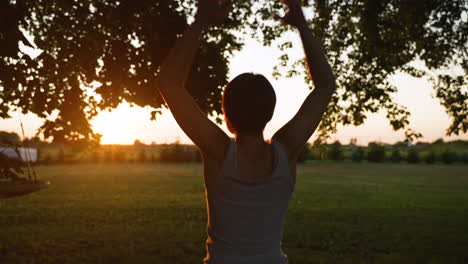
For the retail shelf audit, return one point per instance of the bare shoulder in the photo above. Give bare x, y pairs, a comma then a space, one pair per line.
291, 157
286, 145
213, 164
217, 149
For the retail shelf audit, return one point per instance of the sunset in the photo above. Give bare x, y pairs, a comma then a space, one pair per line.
126, 123
227, 132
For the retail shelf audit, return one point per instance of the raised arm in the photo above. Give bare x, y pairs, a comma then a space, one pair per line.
297, 131
208, 137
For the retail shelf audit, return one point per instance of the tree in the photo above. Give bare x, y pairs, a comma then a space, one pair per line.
321, 149
177, 152
376, 152
400, 144
431, 157
448, 156
358, 155
95, 156
7, 138
335, 152
94, 54
119, 155
396, 156
413, 156
464, 157
142, 156
108, 155
138, 143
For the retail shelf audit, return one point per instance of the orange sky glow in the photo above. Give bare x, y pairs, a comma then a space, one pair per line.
126, 124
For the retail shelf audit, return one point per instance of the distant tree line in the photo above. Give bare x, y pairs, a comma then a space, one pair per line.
164, 153
421, 152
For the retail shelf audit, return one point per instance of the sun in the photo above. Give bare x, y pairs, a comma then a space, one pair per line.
125, 124
117, 126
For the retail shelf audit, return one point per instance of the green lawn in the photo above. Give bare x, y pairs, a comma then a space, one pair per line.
146, 213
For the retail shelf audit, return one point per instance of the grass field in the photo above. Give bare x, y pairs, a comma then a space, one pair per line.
146, 213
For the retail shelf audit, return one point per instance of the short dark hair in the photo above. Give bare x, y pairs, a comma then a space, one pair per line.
248, 103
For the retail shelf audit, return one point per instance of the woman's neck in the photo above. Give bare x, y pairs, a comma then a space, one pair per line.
253, 141
258, 153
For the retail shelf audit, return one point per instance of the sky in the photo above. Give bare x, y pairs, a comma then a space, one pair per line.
126, 124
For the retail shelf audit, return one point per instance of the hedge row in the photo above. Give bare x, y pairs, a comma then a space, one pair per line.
375, 152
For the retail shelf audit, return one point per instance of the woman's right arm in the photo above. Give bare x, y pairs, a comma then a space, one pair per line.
295, 134
207, 136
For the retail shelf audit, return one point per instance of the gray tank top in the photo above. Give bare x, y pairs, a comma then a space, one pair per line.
245, 221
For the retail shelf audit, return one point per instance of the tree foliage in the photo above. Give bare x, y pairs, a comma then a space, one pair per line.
448, 156
431, 157
358, 155
376, 152
95, 54
8, 138
395, 156
413, 156
335, 151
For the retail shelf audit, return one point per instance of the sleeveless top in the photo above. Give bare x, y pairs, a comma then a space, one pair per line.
245, 220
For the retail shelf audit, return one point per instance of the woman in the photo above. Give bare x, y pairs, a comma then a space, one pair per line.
248, 180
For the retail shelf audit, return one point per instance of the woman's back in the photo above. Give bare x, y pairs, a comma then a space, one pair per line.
245, 220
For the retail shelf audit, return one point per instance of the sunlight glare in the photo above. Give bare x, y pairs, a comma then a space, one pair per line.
117, 126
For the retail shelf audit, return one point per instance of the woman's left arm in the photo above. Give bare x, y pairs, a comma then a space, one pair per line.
208, 137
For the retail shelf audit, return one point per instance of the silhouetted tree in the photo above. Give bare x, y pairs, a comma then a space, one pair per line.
95, 157
115, 48
108, 155
464, 157
335, 152
138, 143
396, 156
177, 152
413, 156
400, 144
321, 149
9, 138
118, 155
376, 152
142, 156
358, 155
431, 157
448, 156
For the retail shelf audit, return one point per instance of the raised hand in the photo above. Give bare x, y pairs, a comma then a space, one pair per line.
294, 15
296, 132
212, 12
